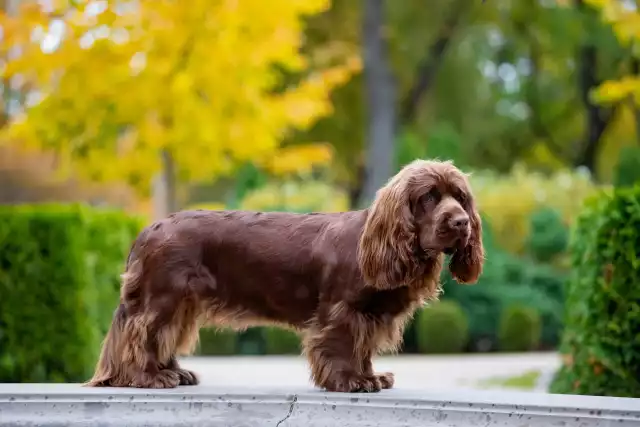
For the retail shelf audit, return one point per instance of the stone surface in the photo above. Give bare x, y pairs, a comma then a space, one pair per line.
71, 405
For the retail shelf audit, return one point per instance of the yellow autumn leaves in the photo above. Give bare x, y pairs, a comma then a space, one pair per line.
623, 16
625, 21
119, 82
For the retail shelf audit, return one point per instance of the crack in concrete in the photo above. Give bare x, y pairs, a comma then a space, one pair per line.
293, 404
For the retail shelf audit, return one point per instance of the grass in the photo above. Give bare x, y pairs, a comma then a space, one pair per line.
525, 381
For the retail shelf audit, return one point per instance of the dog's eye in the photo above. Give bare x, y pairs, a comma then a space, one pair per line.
462, 198
431, 196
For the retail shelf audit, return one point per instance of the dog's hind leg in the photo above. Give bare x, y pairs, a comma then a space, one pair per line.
141, 340
173, 331
187, 341
156, 320
149, 350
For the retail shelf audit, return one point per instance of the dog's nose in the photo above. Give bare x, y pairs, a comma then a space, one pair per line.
459, 222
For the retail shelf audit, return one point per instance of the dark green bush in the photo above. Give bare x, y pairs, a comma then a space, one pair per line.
252, 342
441, 327
548, 285
601, 343
59, 279
548, 236
281, 341
520, 329
217, 342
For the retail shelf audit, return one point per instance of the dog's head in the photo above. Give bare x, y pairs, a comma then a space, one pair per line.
424, 210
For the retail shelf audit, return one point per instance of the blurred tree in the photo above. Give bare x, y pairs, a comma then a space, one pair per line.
379, 99
502, 82
124, 90
415, 40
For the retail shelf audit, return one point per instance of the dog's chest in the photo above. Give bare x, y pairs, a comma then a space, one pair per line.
385, 303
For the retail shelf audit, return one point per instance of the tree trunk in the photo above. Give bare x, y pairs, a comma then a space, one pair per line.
164, 188
598, 117
380, 98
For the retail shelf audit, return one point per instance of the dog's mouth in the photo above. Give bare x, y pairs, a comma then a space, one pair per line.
456, 244
447, 243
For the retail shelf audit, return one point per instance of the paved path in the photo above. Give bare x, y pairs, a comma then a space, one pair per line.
454, 372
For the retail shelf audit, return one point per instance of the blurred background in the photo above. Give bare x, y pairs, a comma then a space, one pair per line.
118, 112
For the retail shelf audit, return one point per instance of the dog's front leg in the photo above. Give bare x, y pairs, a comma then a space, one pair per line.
336, 358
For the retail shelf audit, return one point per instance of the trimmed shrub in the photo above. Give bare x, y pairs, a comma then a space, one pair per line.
281, 341
59, 284
441, 328
601, 343
548, 285
549, 235
217, 342
520, 329
109, 236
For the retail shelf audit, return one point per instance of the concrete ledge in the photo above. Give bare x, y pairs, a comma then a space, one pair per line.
72, 405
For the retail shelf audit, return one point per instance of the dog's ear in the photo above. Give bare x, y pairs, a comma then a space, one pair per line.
467, 262
386, 251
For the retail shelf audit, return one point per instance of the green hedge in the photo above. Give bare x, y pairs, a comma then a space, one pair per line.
281, 341
217, 342
601, 341
441, 327
519, 328
549, 235
59, 284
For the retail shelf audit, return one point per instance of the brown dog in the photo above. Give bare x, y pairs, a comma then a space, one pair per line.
347, 281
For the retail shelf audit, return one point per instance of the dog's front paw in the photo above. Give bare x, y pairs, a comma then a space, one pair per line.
187, 377
386, 379
163, 379
350, 383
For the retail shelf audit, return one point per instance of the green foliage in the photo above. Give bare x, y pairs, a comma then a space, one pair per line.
443, 142
109, 236
511, 201
627, 172
601, 344
296, 196
217, 342
441, 328
520, 328
59, 281
281, 341
548, 236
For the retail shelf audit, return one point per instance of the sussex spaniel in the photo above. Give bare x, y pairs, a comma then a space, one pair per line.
347, 282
